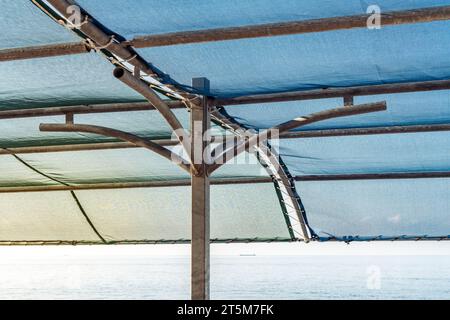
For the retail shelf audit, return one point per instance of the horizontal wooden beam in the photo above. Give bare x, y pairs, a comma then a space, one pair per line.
375, 176
133, 185
85, 109
366, 131
232, 33
226, 181
337, 92
292, 27
44, 51
95, 146
264, 98
80, 147
286, 135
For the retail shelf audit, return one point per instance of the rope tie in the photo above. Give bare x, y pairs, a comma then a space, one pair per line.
96, 47
119, 62
73, 26
134, 56
189, 102
111, 40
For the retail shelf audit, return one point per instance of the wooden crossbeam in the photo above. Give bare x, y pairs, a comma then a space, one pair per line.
230, 33
84, 109
337, 92
228, 181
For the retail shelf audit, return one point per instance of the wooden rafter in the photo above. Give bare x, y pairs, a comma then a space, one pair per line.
337, 92
132, 185
44, 51
292, 27
264, 98
230, 33
227, 181
366, 131
84, 109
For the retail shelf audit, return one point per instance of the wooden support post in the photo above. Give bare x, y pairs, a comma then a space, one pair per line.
348, 101
69, 118
200, 123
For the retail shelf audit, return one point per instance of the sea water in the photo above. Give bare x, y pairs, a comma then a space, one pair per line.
232, 277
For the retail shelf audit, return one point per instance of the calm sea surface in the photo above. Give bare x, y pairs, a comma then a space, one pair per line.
238, 277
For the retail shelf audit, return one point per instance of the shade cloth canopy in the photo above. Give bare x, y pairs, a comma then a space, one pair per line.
360, 209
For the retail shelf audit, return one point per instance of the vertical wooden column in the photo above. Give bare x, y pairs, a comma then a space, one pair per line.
200, 123
348, 101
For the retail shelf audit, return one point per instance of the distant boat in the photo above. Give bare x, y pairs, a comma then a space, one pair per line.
247, 255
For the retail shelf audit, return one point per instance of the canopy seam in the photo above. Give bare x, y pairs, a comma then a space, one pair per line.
89, 221
77, 201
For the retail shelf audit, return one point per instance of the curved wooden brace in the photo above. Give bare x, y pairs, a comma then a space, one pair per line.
124, 136
257, 139
141, 87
